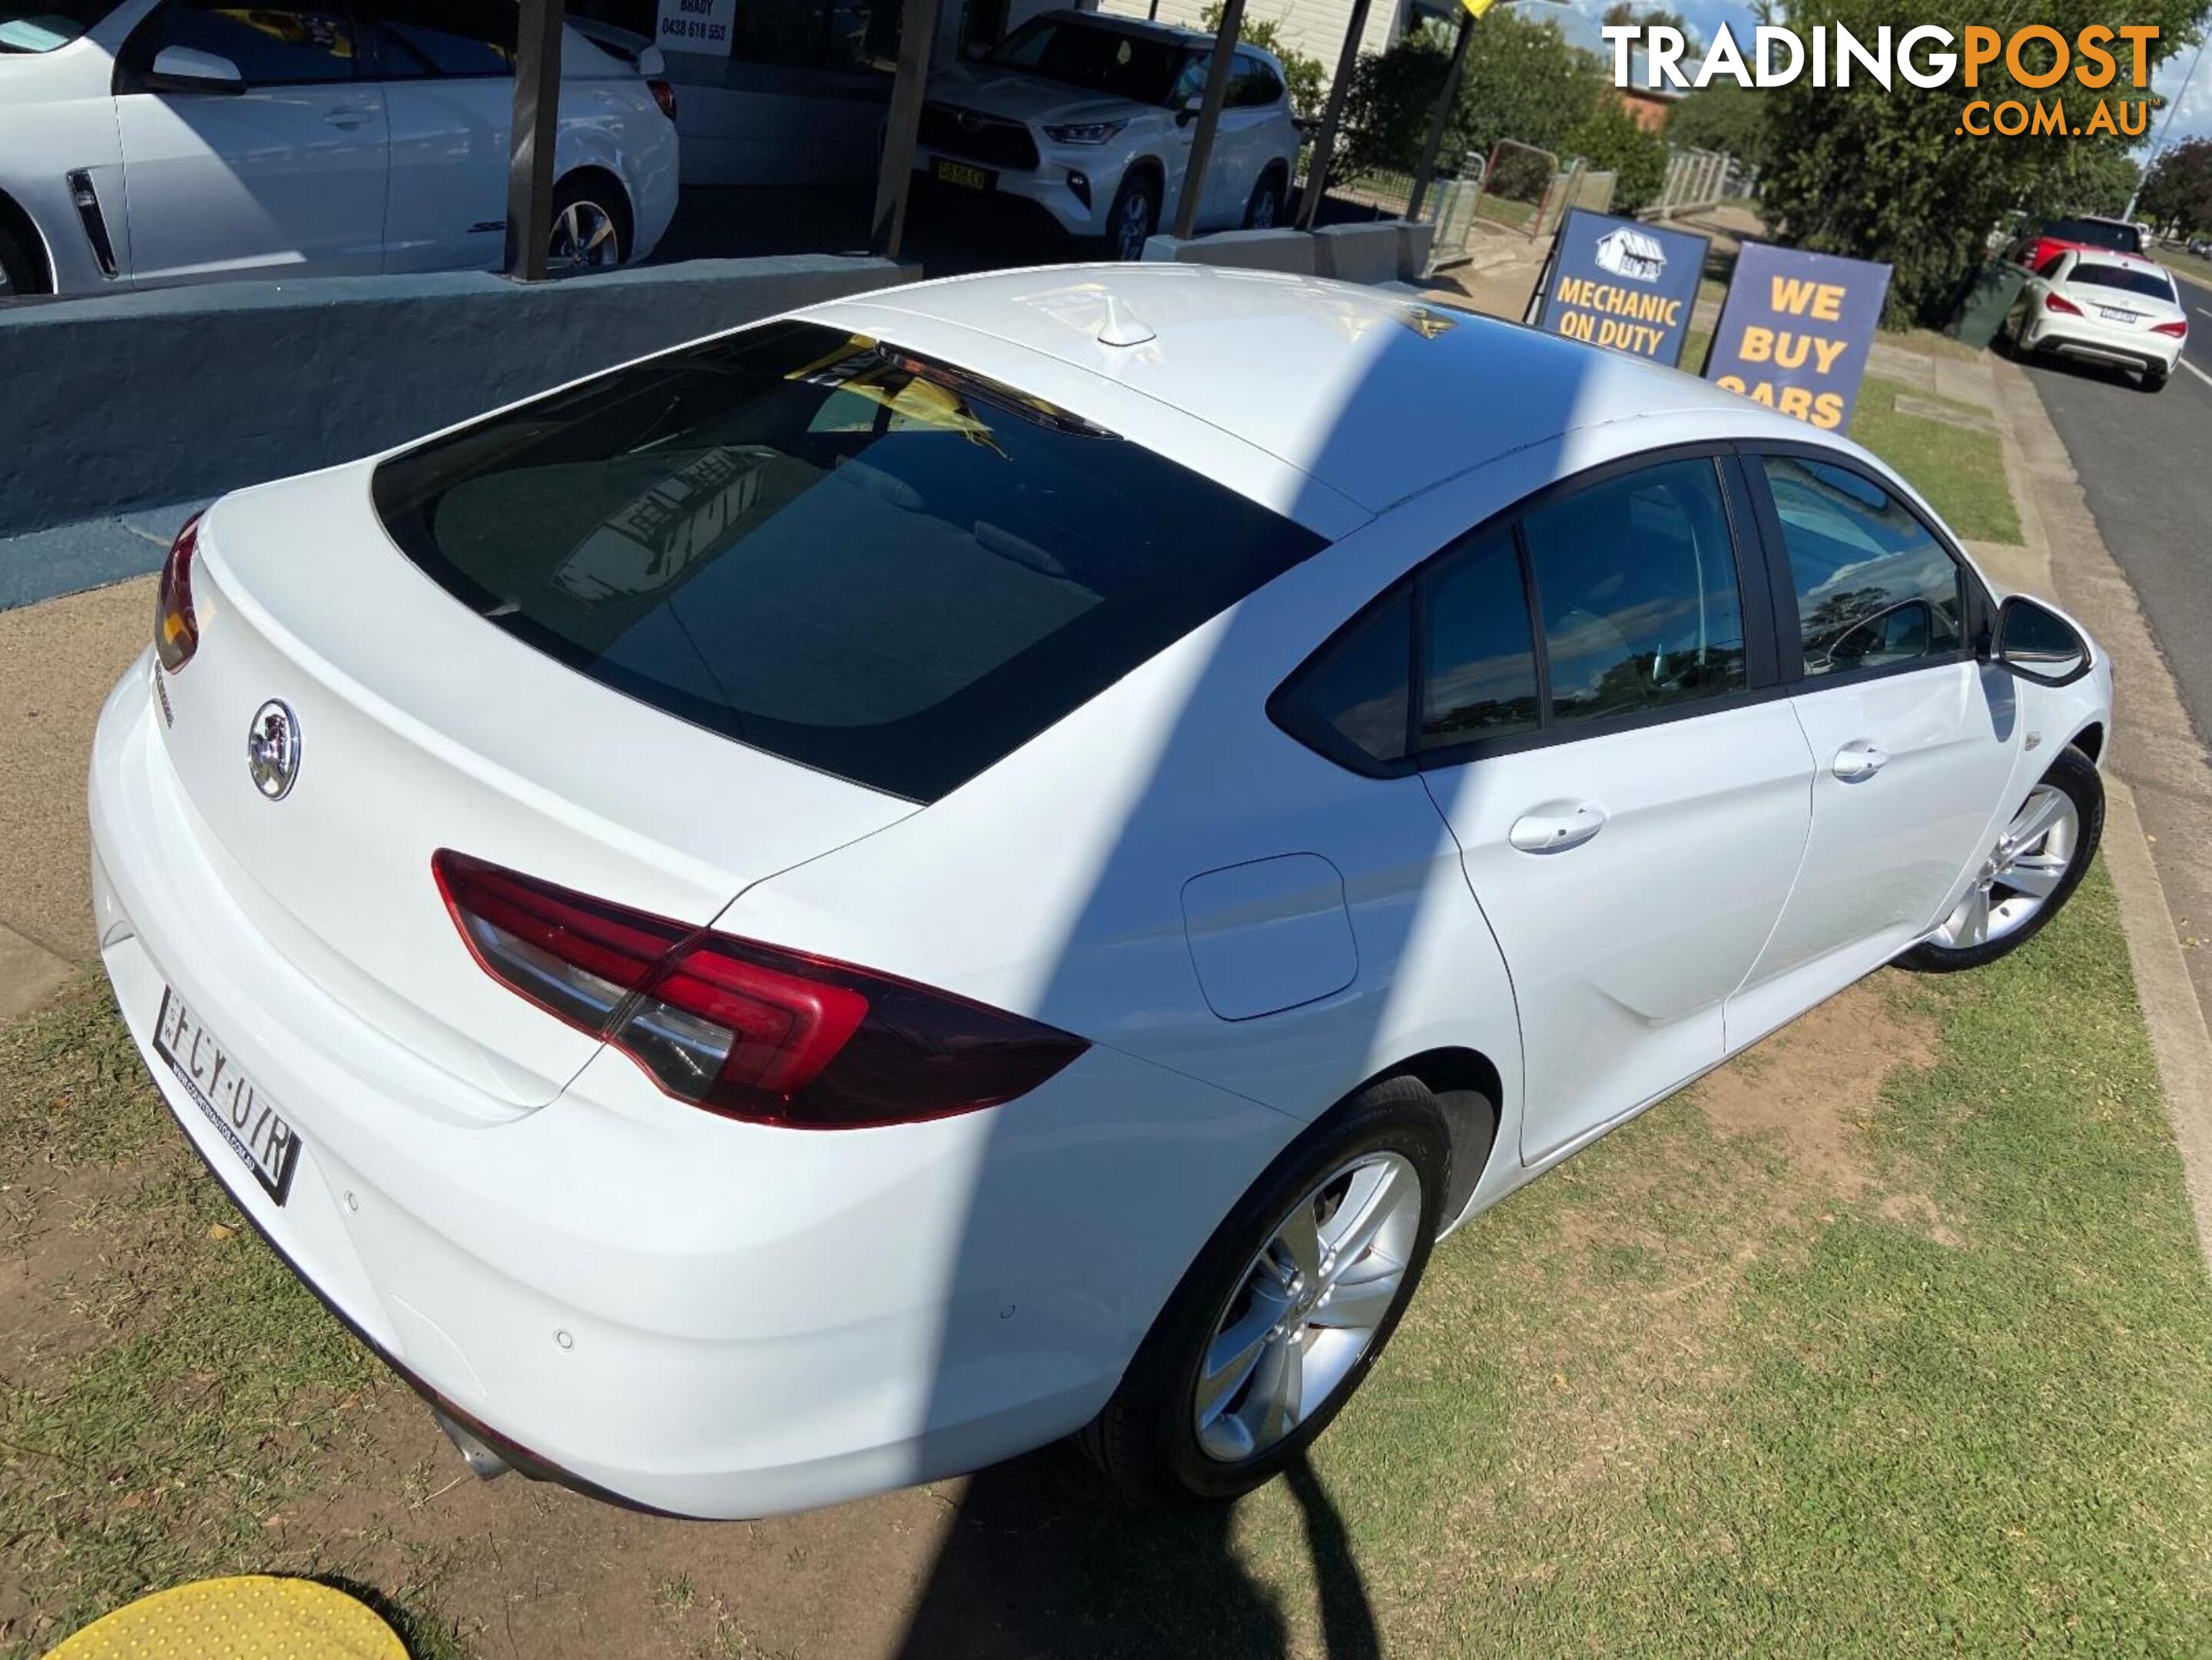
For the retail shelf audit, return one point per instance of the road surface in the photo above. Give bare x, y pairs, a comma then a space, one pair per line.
2146, 465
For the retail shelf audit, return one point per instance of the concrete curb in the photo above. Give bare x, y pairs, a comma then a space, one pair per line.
2179, 1038
2153, 747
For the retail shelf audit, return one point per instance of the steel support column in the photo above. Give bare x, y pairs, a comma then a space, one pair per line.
1209, 118
1332, 117
1441, 117
530, 138
902, 127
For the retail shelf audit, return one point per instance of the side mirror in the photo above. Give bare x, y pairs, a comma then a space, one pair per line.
2036, 643
181, 68
1188, 112
975, 51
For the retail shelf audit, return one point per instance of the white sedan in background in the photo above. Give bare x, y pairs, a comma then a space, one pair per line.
999, 859
160, 142
2097, 307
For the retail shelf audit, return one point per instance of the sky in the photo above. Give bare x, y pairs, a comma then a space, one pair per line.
2192, 120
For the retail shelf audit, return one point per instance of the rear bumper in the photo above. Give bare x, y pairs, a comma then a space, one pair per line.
681, 1313
2094, 342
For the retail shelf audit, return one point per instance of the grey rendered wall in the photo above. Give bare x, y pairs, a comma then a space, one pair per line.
135, 400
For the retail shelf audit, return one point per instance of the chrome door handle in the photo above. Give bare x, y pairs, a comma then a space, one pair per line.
1554, 828
1858, 760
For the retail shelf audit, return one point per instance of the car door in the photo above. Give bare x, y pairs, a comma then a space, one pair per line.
1240, 150
1600, 724
447, 70
285, 176
1913, 738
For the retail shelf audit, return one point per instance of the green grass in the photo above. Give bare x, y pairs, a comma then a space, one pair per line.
1960, 470
1699, 1392
2184, 264
190, 1388
1728, 1411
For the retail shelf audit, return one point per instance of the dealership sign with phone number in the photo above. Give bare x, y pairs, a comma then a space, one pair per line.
699, 26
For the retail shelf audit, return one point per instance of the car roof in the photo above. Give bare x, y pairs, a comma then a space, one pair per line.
1376, 394
2112, 257
1144, 27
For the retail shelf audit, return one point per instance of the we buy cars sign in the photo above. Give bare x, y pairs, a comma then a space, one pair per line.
1616, 282
699, 26
1796, 330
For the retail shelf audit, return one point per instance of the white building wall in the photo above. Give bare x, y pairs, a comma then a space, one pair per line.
1315, 28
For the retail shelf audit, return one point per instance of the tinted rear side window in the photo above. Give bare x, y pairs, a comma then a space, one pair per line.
861, 561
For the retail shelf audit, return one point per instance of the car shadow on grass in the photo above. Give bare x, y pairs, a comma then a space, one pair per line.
1042, 1561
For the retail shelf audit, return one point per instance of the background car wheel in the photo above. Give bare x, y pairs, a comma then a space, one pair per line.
1276, 1324
1133, 217
590, 226
2033, 869
1265, 210
19, 271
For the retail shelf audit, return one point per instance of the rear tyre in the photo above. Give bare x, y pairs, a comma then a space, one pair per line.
19, 270
1276, 1324
2033, 869
1133, 217
590, 226
2155, 380
1264, 211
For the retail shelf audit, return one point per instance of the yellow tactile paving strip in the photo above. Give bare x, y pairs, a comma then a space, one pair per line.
252, 1618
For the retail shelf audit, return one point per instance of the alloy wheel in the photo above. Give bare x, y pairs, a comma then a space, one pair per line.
2025, 868
1133, 227
1307, 1307
583, 239
1263, 209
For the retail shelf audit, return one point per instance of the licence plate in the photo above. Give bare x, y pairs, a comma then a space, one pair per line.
248, 1120
2112, 316
960, 174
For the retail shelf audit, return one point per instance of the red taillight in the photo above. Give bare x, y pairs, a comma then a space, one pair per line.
176, 630
749, 1030
664, 95
2060, 304
2177, 330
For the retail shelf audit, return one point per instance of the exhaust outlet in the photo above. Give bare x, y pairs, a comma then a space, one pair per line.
487, 1465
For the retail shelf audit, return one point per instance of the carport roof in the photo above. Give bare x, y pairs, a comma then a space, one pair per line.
1375, 395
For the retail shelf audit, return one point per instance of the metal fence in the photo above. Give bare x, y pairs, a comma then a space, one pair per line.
1698, 179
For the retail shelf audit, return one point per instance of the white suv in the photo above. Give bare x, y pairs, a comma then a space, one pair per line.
157, 141
1090, 119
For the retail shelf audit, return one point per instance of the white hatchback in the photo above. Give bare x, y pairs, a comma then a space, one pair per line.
158, 141
1001, 859
2099, 307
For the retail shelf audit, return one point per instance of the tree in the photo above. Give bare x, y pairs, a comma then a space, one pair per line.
2179, 192
1304, 78
1522, 80
1610, 139
1722, 117
1627, 13
1889, 175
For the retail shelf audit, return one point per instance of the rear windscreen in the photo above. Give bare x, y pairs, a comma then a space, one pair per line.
866, 563
2096, 234
2129, 279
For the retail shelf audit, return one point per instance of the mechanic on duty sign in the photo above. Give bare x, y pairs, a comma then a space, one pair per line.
1615, 282
699, 26
1796, 330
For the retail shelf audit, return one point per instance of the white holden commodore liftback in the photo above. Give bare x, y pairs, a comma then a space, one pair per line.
999, 859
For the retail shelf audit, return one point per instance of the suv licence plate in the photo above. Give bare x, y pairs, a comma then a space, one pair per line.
247, 1119
960, 174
